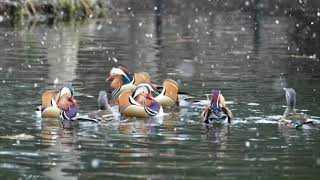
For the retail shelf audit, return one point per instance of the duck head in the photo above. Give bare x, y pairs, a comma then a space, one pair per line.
67, 103
66, 98
66, 91
119, 76
143, 95
151, 88
291, 101
103, 100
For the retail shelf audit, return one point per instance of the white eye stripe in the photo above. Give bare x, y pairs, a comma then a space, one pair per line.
65, 91
140, 90
117, 71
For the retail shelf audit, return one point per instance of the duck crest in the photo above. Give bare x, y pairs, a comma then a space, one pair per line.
128, 78
123, 72
151, 88
121, 80
215, 105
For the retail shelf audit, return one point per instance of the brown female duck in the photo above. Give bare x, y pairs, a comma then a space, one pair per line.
291, 118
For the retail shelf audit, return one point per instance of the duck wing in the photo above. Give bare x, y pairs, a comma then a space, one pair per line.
228, 112
295, 120
141, 77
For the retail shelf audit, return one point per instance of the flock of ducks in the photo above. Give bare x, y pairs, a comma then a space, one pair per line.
138, 97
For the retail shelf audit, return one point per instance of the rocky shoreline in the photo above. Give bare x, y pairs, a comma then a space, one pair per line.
44, 9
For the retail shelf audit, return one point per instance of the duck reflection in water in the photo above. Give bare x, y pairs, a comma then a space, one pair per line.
62, 139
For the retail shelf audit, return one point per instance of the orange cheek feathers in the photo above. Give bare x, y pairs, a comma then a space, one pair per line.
66, 104
143, 100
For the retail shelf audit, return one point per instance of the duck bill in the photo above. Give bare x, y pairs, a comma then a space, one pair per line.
110, 77
149, 96
73, 101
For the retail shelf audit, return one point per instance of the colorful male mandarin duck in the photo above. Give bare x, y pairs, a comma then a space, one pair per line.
291, 118
168, 97
57, 104
139, 103
122, 80
217, 111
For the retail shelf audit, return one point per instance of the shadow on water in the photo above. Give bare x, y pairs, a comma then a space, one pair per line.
249, 51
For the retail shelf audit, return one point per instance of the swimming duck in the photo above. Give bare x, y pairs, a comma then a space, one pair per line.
104, 112
58, 104
122, 80
291, 118
168, 97
139, 103
217, 111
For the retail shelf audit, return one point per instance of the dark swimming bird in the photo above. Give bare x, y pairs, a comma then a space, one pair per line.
104, 114
291, 118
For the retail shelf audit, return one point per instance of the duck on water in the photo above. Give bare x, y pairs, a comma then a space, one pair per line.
291, 118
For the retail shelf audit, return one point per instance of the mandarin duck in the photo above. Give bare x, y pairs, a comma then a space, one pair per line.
217, 111
139, 103
291, 118
59, 104
122, 80
168, 96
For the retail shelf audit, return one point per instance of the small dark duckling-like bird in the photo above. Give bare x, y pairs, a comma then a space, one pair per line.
217, 111
291, 118
103, 114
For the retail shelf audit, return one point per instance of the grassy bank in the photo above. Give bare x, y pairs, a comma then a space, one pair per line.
57, 9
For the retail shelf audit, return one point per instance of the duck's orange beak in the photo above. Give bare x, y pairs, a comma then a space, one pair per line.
149, 96
111, 77
71, 99
73, 102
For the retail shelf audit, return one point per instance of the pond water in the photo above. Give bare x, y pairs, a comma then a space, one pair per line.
250, 56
